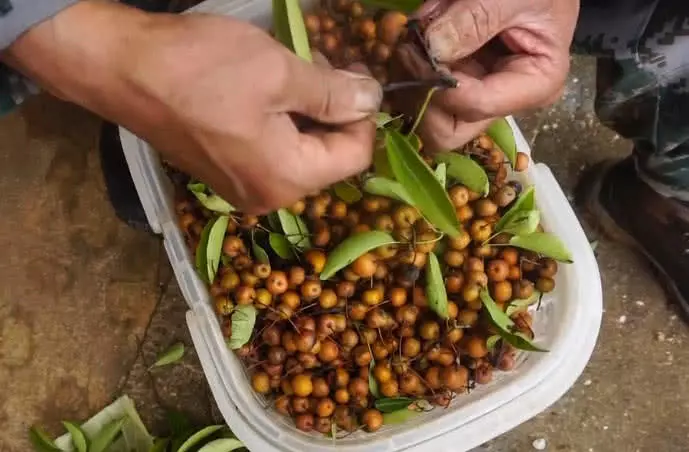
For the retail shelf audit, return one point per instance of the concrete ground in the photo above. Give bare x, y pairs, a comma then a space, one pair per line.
86, 303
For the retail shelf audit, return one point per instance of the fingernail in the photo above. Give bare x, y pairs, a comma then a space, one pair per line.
368, 94
443, 40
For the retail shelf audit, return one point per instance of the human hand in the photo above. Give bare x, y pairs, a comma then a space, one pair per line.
217, 97
507, 55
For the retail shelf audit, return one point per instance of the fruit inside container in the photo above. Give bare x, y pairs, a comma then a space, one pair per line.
391, 293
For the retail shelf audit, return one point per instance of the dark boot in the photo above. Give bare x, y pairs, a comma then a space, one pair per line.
629, 211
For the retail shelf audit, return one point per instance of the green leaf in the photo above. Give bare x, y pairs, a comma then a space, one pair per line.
492, 341
521, 223
388, 188
351, 248
405, 6
372, 383
259, 253
107, 435
211, 202
381, 165
216, 236
280, 245
501, 133
435, 287
420, 183
415, 141
525, 202
197, 437
520, 303
243, 320
466, 171
200, 255
222, 445
169, 356
289, 28
544, 244
399, 416
384, 119
505, 325
295, 229
389, 405
347, 192
79, 439
441, 173
273, 221
160, 445
40, 441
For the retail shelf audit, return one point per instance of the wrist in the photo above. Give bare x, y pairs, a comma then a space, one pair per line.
81, 54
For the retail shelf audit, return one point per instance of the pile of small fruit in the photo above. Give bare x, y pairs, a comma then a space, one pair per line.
386, 294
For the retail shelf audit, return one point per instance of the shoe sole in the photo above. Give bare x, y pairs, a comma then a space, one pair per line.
611, 230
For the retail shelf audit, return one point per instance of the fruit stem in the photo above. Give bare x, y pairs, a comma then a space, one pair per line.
423, 109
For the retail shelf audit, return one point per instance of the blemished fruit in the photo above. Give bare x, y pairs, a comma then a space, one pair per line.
320, 345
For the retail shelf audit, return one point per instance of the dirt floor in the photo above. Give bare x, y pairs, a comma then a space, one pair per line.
86, 303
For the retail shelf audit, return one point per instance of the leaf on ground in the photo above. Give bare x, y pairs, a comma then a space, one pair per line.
525, 202
543, 243
169, 356
382, 186
435, 287
280, 245
347, 192
102, 441
505, 325
295, 229
466, 171
392, 404
420, 183
199, 436
222, 445
243, 321
216, 236
40, 440
351, 248
503, 136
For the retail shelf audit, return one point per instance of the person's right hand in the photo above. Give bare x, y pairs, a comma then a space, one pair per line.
214, 95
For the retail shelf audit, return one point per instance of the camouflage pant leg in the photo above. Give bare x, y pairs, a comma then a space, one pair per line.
643, 81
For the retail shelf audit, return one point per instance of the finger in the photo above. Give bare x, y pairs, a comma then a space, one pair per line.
430, 9
467, 26
440, 131
331, 96
336, 155
518, 84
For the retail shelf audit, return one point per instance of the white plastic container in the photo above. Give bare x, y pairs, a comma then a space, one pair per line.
567, 324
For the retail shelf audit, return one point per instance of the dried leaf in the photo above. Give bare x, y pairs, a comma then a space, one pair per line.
211, 201
441, 173
501, 133
372, 383
543, 243
522, 223
399, 416
466, 171
521, 304
347, 192
280, 245
107, 435
390, 405
295, 229
405, 6
435, 287
216, 236
420, 183
388, 188
200, 255
222, 445
492, 341
525, 202
243, 321
199, 436
169, 356
40, 441
259, 253
505, 325
351, 248
288, 24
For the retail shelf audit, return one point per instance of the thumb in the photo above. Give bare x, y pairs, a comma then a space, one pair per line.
466, 27
333, 96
